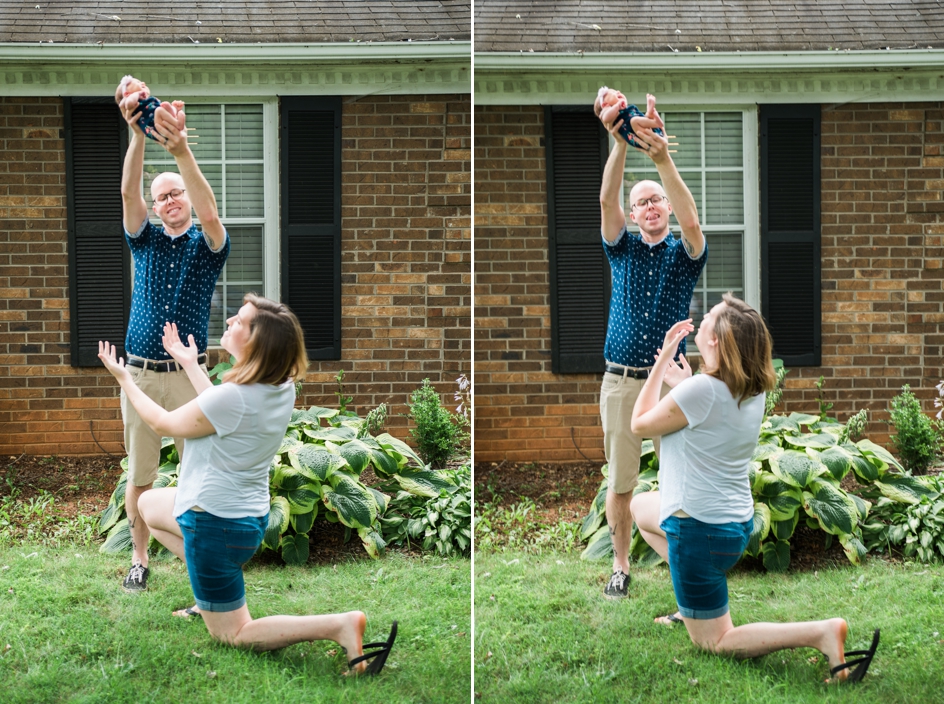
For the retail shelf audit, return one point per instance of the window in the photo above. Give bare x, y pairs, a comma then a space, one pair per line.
229, 142
714, 149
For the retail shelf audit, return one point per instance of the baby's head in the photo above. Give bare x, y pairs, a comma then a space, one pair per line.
129, 85
608, 98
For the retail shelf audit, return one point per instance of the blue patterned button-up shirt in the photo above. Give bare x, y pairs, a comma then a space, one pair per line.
174, 281
652, 290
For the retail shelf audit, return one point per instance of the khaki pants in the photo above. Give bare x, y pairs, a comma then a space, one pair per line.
170, 390
617, 398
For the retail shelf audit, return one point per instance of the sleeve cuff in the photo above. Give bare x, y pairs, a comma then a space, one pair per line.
615, 242
210, 244
139, 230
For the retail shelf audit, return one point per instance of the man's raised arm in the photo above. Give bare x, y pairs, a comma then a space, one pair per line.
201, 195
683, 204
134, 209
612, 216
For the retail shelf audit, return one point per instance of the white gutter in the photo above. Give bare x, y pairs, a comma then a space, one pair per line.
767, 61
289, 53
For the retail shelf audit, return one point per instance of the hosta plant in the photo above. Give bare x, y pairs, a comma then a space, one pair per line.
914, 527
314, 475
795, 475
442, 523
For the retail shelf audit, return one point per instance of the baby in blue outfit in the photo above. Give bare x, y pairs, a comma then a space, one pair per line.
134, 93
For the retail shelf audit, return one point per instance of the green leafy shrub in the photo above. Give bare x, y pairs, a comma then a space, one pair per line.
439, 434
442, 522
917, 438
315, 474
795, 474
916, 527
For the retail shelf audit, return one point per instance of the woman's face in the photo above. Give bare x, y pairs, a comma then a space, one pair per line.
705, 337
236, 337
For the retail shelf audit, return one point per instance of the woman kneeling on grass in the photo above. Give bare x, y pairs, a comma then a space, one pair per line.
221, 503
701, 519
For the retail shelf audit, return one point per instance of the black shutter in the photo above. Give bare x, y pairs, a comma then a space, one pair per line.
576, 148
96, 138
790, 231
310, 152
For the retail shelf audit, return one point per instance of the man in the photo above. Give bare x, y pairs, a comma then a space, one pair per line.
175, 272
654, 276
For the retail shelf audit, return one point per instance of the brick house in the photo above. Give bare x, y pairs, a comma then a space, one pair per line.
811, 136
337, 137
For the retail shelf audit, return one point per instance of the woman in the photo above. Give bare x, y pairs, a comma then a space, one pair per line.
701, 519
221, 503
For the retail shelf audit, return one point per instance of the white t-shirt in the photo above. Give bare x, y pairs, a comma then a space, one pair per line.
227, 473
704, 466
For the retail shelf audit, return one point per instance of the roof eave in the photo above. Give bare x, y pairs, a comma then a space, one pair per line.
361, 51
712, 61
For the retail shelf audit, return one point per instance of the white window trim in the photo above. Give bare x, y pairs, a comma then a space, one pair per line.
271, 243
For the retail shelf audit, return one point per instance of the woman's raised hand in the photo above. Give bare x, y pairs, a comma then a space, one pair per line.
675, 335
675, 374
114, 364
175, 347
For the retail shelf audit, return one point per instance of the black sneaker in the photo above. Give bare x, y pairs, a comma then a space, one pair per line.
136, 581
617, 587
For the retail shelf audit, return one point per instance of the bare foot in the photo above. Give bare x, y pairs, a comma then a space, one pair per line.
666, 621
832, 644
351, 638
188, 612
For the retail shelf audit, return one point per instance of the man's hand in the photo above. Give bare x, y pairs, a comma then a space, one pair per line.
172, 129
131, 114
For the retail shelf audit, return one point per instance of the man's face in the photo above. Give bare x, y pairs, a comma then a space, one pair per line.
651, 218
170, 199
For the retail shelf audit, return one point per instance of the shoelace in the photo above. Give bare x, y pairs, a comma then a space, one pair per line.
617, 580
136, 574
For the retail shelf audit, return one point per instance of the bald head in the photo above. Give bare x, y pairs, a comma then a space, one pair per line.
165, 182
644, 189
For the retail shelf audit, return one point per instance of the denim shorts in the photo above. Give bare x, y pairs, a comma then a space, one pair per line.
699, 556
216, 550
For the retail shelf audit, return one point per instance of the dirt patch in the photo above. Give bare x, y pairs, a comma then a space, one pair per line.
79, 485
83, 486
567, 490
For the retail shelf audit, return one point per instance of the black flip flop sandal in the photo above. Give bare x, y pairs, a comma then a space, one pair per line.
863, 663
672, 619
381, 655
187, 613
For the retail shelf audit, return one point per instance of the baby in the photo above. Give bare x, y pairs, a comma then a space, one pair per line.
611, 105
132, 93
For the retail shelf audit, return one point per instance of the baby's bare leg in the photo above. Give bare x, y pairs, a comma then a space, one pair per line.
178, 105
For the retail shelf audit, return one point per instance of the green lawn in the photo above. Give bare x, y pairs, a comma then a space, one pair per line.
544, 633
68, 633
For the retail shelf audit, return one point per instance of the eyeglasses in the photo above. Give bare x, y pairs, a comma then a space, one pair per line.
175, 194
655, 200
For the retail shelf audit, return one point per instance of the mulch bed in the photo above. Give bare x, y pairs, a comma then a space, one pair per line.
566, 491
83, 485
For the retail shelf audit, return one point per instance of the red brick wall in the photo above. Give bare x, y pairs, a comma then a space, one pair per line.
406, 271
882, 248
882, 227
523, 411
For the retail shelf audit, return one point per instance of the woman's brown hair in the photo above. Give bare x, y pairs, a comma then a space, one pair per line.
275, 351
744, 348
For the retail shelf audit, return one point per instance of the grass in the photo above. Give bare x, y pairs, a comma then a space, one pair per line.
68, 633
544, 632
